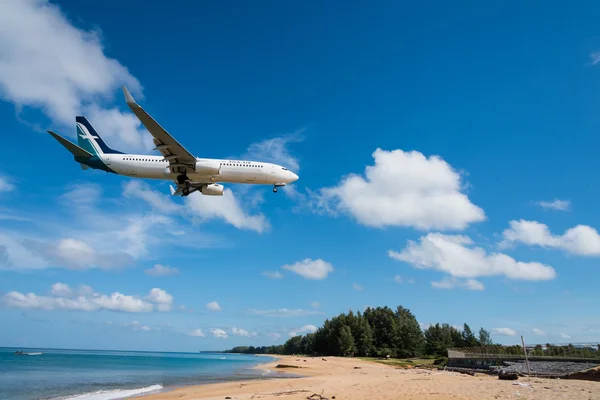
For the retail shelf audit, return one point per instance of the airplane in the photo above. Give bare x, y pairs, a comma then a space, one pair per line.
189, 173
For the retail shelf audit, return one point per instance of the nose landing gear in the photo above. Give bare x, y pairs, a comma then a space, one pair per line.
276, 186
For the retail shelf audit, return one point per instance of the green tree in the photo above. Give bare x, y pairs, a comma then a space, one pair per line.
485, 338
409, 336
363, 336
468, 338
346, 341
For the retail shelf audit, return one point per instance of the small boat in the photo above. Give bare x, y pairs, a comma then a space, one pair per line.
22, 353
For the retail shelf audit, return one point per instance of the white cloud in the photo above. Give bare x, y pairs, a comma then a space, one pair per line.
303, 330
162, 299
538, 332
274, 335
595, 57
227, 208
213, 306
80, 77
64, 297
311, 269
275, 150
161, 270
315, 304
504, 331
455, 255
136, 189
5, 185
219, 333
581, 239
273, 274
400, 279
402, 189
556, 204
357, 287
199, 206
565, 336
85, 234
284, 312
242, 332
136, 326
453, 282
197, 333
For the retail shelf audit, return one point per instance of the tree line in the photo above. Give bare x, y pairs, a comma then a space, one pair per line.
377, 332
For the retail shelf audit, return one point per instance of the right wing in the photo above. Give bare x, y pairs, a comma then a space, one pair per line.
178, 157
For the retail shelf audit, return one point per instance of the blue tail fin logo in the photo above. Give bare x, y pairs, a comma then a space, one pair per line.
88, 138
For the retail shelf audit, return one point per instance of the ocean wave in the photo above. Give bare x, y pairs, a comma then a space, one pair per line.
112, 394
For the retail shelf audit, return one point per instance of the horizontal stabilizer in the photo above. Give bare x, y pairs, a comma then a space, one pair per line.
72, 147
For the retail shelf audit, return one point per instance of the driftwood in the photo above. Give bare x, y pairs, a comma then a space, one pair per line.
316, 396
286, 366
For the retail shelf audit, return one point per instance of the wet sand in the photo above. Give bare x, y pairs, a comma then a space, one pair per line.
354, 379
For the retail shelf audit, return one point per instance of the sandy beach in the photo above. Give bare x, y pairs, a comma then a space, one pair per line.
354, 379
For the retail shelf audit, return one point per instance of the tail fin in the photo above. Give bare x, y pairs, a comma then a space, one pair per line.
89, 140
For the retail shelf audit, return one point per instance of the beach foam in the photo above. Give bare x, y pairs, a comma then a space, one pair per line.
113, 394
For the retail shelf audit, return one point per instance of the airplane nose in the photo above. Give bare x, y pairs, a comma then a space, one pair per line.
293, 177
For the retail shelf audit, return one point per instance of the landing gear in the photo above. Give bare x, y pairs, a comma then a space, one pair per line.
185, 191
181, 179
274, 189
275, 186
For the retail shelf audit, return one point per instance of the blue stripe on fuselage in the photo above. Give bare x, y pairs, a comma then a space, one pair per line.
95, 163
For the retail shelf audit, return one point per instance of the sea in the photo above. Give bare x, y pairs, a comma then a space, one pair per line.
102, 375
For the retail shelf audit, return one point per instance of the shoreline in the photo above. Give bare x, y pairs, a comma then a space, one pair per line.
356, 379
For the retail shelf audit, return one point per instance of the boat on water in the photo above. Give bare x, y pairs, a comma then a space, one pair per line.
22, 353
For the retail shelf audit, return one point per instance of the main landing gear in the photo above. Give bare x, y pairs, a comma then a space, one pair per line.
184, 180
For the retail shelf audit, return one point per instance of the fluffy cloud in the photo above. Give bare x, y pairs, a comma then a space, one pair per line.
213, 306
161, 270
219, 333
227, 208
453, 282
302, 330
274, 335
197, 333
199, 206
35, 31
273, 274
504, 331
311, 269
5, 185
63, 297
275, 150
402, 189
538, 332
284, 312
581, 239
162, 299
357, 287
315, 304
556, 204
455, 255
242, 332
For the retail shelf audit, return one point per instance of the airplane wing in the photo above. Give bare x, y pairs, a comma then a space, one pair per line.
178, 157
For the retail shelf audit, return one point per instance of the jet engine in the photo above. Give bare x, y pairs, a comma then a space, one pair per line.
214, 189
208, 167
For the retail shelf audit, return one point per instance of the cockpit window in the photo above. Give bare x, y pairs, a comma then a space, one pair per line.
285, 169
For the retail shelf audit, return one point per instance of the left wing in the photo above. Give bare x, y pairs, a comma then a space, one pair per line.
178, 157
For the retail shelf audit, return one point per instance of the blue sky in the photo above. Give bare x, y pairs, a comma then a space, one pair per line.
447, 157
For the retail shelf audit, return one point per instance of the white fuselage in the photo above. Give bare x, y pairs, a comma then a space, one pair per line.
231, 171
